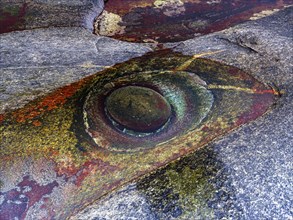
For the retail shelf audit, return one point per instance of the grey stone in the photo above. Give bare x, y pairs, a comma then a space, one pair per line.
55, 13
33, 62
119, 207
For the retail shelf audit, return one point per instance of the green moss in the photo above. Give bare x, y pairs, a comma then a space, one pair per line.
193, 189
183, 185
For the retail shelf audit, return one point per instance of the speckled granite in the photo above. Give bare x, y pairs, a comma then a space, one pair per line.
34, 62
245, 175
31, 14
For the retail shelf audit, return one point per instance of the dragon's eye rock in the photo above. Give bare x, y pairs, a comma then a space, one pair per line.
83, 140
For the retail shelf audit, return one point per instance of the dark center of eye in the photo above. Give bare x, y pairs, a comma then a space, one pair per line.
138, 108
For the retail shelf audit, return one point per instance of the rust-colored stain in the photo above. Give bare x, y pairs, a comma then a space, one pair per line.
175, 20
47, 103
51, 166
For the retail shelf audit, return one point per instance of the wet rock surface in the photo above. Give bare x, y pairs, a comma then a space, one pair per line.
245, 175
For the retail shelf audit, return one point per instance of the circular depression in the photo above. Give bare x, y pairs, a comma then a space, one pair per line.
189, 100
137, 108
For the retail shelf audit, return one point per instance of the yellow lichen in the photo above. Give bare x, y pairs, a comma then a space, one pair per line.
24, 140
108, 24
263, 14
170, 7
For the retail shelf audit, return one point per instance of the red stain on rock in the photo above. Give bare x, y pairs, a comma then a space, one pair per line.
259, 107
93, 166
88, 168
47, 103
17, 201
143, 21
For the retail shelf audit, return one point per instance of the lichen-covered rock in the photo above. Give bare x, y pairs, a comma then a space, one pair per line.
49, 167
176, 20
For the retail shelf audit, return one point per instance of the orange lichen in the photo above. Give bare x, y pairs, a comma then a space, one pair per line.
37, 123
1, 118
47, 103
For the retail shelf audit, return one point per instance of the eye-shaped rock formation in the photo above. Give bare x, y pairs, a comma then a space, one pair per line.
93, 157
66, 149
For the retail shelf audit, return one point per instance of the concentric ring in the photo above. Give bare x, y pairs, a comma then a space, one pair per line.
185, 92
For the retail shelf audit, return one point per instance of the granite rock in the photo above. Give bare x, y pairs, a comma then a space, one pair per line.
33, 62
31, 14
245, 175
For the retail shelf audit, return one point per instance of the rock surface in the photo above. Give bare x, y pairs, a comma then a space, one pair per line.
30, 14
176, 20
245, 175
33, 62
